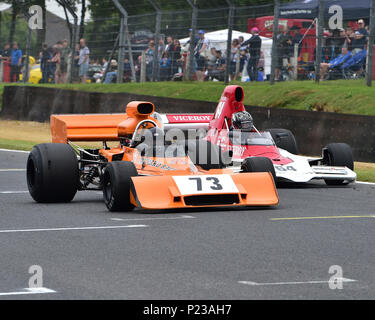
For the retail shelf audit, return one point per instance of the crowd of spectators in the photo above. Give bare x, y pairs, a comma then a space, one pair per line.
209, 62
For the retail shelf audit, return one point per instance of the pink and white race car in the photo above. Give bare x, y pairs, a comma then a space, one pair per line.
274, 150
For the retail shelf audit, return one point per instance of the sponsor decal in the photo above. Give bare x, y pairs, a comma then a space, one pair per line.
190, 118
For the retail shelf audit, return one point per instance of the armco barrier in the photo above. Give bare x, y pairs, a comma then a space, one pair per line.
311, 129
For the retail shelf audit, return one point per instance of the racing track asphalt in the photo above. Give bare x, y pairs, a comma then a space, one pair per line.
192, 254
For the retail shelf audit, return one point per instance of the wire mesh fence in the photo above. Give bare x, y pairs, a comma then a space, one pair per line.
155, 40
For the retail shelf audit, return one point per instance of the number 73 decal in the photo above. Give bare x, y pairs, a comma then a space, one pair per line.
207, 184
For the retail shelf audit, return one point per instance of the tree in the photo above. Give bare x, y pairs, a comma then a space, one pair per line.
15, 11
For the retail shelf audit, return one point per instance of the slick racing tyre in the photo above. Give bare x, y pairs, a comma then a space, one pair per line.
258, 164
284, 139
206, 155
117, 185
52, 173
338, 155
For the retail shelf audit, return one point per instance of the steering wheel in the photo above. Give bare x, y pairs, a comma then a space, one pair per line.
141, 125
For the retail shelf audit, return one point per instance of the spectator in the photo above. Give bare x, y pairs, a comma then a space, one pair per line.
334, 63
6, 52
112, 72
165, 67
201, 51
175, 55
57, 60
284, 42
255, 44
296, 39
349, 38
44, 57
360, 38
233, 58
137, 67
243, 59
105, 63
211, 61
219, 70
16, 60
169, 44
150, 59
84, 59
65, 56
337, 41
161, 48
241, 40
76, 62
127, 70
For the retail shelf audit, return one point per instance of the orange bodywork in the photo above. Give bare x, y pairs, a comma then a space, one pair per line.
99, 127
164, 183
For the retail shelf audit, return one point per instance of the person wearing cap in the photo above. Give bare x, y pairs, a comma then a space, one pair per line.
254, 44
360, 37
201, 50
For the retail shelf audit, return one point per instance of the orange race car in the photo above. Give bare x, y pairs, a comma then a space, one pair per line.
139, 172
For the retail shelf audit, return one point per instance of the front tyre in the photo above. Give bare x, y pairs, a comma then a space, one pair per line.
258, 164
52, 173
338, 155
117, 185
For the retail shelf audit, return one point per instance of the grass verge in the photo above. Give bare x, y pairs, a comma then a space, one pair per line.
23, 135
342, 96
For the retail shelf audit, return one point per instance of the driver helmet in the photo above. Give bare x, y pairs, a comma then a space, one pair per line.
242, 121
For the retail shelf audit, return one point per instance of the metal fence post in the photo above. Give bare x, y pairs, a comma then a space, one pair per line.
121, 53
27, 16
274, 57
155, 67
295, 61
66, 5
229, 42
318, 54
190, 65
143, 68
370, 49
125, 17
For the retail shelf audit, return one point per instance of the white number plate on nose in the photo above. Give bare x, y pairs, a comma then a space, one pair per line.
205, 184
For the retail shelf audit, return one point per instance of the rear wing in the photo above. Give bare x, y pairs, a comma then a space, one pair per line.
104, 127
85, 127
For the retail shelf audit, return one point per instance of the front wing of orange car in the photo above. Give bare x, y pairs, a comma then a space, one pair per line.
217, 190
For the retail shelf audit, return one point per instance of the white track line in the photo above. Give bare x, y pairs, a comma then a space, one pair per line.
368, 183
27, 291
13, 192
12, 170
17, 151
74, 228
251, 283
150, 219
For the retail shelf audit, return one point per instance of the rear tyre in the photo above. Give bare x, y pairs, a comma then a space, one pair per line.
258, 164
206, 155
284, 139
117, 185
338, 155
52, 173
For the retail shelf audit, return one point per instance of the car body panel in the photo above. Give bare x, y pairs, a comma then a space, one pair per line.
288, 167
158, 184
